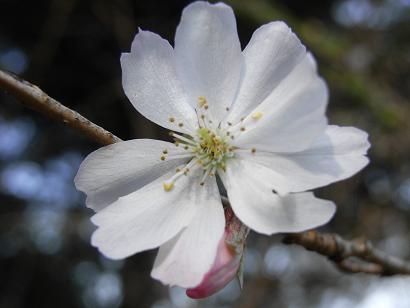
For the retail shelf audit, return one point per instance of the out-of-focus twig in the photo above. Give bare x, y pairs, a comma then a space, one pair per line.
357, 256
34, 98
350, 256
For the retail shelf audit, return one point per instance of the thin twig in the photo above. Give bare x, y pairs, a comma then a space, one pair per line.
350, 256
34, 98
357, 256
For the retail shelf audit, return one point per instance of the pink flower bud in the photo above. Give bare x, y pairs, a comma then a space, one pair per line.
228, 259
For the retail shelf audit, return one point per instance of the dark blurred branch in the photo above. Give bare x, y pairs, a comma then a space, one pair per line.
349, 256
34, 98
357, 256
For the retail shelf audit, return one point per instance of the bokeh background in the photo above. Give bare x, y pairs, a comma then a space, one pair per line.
71, 49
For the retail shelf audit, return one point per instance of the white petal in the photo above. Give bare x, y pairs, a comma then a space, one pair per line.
185, 259
292, 116
336, 155
148, 217
208, 55
272, 179
259, 208
121, 168
272, 53
150, 82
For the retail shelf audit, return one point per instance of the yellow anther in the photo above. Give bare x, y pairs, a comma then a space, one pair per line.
180, 124
202, 101
162, 157
257, 115
242, 129
168, 186
253, 150
172, 120
165, 151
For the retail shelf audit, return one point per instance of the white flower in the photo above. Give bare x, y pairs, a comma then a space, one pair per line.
256, 118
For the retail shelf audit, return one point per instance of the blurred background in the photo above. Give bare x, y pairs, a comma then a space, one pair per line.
71, 49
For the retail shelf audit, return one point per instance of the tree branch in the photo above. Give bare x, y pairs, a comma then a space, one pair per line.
34, 98
350, 256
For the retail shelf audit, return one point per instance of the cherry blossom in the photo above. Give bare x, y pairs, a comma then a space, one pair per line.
254, 118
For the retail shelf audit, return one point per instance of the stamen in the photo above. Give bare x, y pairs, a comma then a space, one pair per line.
168, 186
209, 172
202, 101
212, 171
202, 182
257, 115
183, 139
172, 120
203, 118
174, 156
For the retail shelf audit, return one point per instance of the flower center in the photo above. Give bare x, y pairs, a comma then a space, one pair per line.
209, 150
212, 150
208, 147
